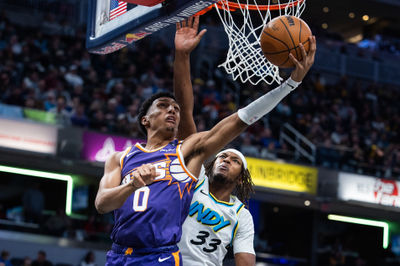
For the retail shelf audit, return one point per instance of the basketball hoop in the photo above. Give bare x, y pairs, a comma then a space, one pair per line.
234, 6
245, 59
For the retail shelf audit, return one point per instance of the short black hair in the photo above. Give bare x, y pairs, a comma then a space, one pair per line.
146, 105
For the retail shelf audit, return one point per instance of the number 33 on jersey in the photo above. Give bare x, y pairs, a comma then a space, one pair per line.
212, 226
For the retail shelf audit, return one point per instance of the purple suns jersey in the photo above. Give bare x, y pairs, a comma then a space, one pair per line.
153, 215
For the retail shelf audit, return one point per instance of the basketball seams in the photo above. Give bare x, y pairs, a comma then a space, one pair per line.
301, 24
290, 49
273, 37
290, 35
287, 59
300, 36
278, 42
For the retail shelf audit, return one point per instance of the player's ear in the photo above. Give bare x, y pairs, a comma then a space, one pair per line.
145, 121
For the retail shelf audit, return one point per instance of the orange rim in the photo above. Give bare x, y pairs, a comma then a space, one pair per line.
232, 6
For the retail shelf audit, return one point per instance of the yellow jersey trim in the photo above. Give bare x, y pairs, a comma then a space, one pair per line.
221, 201
199, 184
240, 208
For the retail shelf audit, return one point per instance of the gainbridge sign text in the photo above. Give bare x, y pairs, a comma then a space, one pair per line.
283, 176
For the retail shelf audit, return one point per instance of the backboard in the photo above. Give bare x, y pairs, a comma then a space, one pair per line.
130, 23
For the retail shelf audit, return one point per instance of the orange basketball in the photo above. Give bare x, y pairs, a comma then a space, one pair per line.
282, 36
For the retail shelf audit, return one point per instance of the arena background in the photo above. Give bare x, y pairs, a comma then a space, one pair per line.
330, 148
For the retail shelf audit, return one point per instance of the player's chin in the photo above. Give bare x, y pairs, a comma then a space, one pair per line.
220, 177
171, 129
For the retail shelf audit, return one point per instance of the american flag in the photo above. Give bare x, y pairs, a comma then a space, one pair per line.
117, 8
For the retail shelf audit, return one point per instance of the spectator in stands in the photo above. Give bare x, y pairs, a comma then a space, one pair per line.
57, 224
72, 76
36, 68
98, 121
50, 100
62, 111
91, 227
27, 261
89, 259
247, 147
33, 204
79, 117
5, 258
41, 260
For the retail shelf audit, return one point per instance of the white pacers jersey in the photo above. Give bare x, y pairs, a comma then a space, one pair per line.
212, 226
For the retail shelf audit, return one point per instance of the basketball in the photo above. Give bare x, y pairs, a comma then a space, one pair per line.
282, 36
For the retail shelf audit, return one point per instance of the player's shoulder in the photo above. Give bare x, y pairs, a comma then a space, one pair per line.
116, 156
237, 205
244, 212
120, 156
240, 207
245, 220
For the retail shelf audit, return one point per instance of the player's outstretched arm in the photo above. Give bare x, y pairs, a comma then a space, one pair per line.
207, 143
111, 194
186, 39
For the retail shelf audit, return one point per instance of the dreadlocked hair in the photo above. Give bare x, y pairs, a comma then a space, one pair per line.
243, 189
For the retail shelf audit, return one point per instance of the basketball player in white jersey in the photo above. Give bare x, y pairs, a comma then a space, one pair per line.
217, 219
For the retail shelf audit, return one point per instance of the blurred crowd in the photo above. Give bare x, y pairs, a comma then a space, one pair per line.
41, 260
354, 124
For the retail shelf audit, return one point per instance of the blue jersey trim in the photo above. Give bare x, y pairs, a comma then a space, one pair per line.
234, 230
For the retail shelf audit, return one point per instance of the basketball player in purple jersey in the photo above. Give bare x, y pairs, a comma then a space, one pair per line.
204, 242
150, 188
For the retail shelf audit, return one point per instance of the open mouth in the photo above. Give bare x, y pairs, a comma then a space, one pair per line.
223, 168
171, 119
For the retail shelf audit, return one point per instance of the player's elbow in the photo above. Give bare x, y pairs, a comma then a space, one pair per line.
100, 210
100, 206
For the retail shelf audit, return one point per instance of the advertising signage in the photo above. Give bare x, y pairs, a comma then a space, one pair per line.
28, 136
283, 176
97, 147
369, 189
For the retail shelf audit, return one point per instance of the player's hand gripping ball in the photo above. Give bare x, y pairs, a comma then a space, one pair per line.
282, 36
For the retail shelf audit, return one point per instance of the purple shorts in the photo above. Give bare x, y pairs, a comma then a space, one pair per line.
125, 256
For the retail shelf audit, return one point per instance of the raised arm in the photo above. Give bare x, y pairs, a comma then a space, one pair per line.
111, 194
199, 147
186, 39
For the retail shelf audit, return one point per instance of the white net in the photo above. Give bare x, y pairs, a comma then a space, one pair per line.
245, 59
